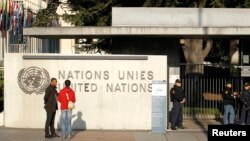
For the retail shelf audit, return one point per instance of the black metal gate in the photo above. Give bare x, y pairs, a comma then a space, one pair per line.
204, 90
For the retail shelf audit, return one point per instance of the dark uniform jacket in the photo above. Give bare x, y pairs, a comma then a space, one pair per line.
176, 94
50, 99
245, 97
228, 98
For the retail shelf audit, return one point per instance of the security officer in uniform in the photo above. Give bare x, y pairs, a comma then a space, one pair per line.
178, 98
245, 99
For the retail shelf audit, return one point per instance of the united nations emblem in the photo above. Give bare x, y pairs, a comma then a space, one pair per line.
33, 80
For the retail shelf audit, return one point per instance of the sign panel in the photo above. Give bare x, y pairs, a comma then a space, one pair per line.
159, 92
245, 59
245, 71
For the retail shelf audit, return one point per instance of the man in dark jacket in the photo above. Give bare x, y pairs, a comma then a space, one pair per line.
50, 101
229, 100
245, 99
178, 98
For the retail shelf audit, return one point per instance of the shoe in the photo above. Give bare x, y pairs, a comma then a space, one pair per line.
55, 135
48, 136
69, 136
181, 127
173, 128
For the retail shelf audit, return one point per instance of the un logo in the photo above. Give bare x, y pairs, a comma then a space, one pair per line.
33, 80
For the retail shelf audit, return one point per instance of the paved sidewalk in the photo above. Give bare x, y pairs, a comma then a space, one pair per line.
196, 131
188, 135
12, 134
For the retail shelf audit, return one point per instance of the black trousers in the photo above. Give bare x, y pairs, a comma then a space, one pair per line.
49, 125
245, 115
177, 115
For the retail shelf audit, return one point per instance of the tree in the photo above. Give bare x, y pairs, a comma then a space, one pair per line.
234, 52
44, 17
98, 13
95, 12
195, 54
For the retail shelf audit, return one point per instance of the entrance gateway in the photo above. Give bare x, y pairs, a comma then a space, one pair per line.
159, 35
112, 92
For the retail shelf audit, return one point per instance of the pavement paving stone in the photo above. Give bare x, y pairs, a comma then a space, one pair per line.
15, 134
148, 136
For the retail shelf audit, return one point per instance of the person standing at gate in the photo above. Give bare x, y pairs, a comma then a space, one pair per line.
229, 100
50, 101
245, 110
67, 99
178, 98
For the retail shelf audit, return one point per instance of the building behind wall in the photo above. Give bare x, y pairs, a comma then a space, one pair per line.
176, 23
16, 42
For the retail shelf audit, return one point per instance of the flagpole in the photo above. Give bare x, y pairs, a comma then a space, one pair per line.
7, 40
3, 49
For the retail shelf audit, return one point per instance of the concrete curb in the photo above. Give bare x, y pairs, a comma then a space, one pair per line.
1, 119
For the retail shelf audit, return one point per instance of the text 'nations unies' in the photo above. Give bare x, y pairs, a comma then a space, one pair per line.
105, 81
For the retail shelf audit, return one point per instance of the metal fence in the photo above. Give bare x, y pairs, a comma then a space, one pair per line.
203, 90
32, 45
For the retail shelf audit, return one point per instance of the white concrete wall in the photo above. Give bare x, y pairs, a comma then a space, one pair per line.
180, 17
1, 119
101, 109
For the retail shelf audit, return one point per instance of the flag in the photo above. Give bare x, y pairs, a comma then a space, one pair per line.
1, 13
8, 16
1, 6
15, 18
11, 7
4, 17
1, 16
25, 17
21, 22
29, 18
